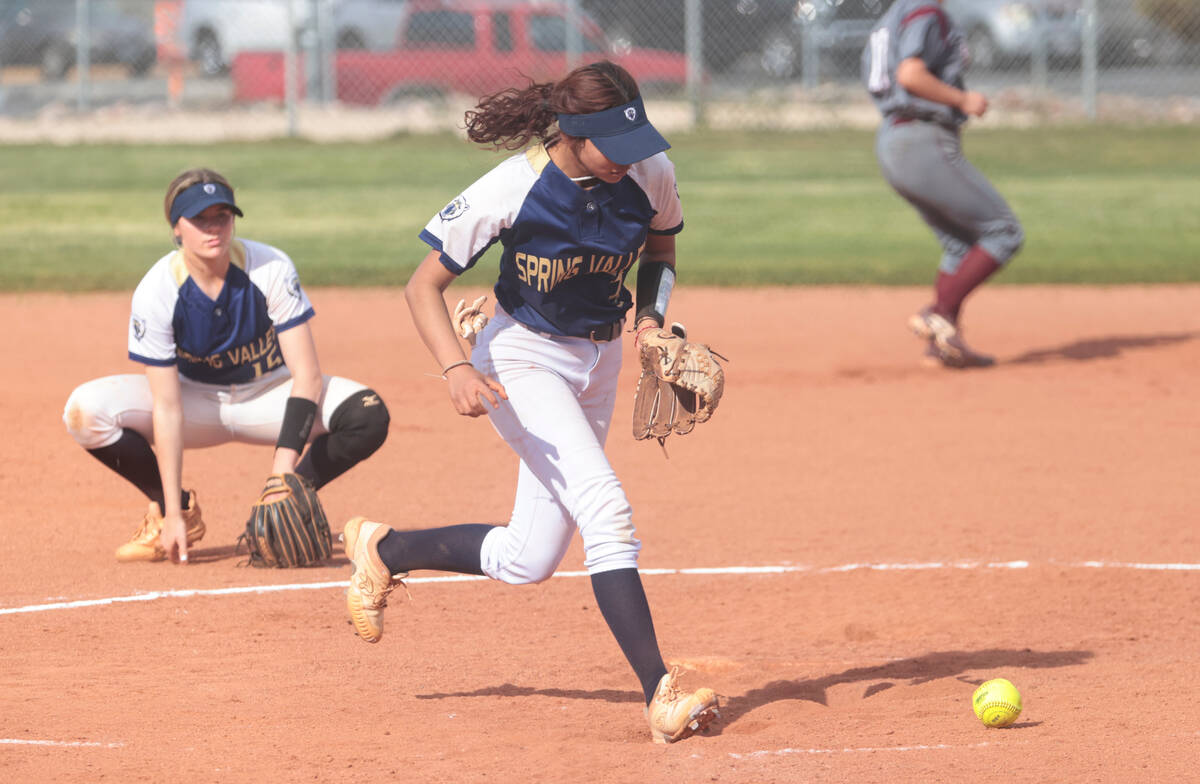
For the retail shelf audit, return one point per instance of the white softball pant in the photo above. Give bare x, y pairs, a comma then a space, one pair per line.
98, 410
561, 393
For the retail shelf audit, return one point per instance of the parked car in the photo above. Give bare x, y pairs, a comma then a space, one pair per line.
472, 47
368, 24
1004, 33
214, 31
821, 34
1126, 36
732, 29
45, 33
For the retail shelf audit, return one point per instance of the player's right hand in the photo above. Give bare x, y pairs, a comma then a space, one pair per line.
469, 321
174, 538
471, 391
974, 104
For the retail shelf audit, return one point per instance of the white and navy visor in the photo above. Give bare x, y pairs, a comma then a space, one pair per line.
195, 199
623, 133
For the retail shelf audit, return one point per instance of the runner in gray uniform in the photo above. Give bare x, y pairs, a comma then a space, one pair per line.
913, 66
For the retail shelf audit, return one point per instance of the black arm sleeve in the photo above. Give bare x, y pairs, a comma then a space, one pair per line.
298, 417
655, 279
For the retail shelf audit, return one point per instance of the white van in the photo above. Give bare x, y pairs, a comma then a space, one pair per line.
214, 31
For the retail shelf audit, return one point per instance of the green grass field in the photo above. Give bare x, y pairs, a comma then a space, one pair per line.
1099, 205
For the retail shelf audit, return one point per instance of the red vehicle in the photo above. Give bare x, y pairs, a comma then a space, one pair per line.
474, 47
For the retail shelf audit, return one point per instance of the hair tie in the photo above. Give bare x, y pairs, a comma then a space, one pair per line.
454, 365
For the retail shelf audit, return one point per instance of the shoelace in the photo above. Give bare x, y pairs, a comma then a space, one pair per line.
146, 528
670, 691
384, 593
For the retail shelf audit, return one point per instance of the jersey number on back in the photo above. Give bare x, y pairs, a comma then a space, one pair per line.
877, 78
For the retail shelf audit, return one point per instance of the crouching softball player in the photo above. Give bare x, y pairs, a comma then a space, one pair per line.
573, 213
221, 325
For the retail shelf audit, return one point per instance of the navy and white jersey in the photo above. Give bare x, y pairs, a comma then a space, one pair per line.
566, 249
229, 340
914, 28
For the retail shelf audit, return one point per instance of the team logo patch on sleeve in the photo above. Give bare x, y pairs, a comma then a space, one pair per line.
139, 327
293, 286
454, 209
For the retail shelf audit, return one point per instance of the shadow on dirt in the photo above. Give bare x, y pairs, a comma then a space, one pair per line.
1098, 348
509, 690
241, 557
214, 554
915, 671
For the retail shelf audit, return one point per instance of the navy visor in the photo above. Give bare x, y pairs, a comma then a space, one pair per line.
623, 133
195, 199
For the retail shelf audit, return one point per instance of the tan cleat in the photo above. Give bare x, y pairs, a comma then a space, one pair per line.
946, 344
145, 546
372, 581
675, 715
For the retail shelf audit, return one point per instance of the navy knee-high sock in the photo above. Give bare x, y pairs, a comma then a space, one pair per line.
132, 457
622, 602
453, 548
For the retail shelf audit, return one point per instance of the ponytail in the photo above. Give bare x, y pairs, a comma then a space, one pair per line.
514, 117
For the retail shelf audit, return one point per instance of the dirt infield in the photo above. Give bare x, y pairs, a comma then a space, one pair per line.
931, 529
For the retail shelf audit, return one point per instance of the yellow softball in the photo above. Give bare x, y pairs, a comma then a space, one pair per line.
997, 702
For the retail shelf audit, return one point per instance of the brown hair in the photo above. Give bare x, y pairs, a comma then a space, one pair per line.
186, 180
512, 118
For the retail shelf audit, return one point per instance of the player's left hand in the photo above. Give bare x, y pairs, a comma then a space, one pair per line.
680, 385
284, 462
471, 391
287, 526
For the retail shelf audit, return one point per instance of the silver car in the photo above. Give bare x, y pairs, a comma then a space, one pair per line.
822, 35
1004, 33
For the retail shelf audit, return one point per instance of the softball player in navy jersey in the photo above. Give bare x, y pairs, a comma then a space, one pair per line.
573, 214
222, 326
913, 66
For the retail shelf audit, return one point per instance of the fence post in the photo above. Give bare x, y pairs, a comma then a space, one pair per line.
810, 55
1089, 58
310, 48
1039, 59
574, 35
693, 24
289, 70
83, 51
327, 45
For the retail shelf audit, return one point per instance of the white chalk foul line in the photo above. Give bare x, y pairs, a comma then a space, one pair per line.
862, 750
150, 596
69, 744
1158, 567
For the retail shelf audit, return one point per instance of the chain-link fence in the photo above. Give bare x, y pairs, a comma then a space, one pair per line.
287, 65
